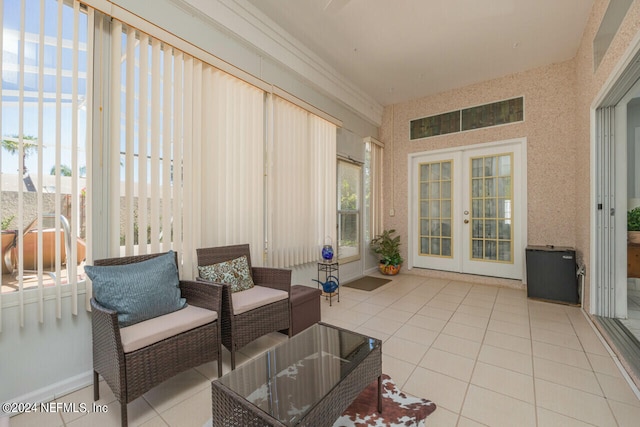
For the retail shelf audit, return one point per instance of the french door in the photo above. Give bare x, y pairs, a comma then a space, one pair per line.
468, 209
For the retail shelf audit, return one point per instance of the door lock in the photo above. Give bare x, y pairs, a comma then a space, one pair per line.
466, 221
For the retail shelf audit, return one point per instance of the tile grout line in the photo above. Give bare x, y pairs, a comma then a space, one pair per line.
617, 362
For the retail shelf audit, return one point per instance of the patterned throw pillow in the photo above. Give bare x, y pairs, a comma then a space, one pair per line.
235, 272
138, 291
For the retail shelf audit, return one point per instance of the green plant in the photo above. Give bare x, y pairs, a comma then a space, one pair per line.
633, 219
4, 224
388, 247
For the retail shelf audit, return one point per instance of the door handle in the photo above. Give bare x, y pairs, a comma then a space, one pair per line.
466, 221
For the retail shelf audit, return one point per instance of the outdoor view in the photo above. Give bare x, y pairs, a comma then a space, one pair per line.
348, 210
43, 157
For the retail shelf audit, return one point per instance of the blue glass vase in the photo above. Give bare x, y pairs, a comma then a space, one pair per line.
327, 253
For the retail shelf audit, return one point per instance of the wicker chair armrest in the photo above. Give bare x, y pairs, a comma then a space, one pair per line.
202, 293
104, 318
276, 278
225, 293
108, 354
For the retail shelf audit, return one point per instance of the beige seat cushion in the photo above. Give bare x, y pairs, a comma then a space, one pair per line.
150, 331
255, 297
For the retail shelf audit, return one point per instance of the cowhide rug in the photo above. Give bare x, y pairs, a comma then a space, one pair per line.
398, 408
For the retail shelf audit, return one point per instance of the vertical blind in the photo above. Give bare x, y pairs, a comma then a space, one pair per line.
301, 185
46, 67
157, 115
188, 168
233, 169
194, 156
373, 188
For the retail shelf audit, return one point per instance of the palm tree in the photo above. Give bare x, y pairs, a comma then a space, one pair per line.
11, 144
64, 170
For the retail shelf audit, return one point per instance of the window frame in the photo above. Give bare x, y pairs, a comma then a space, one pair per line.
44, 100
357, 212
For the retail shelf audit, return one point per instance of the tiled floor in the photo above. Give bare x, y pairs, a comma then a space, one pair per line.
485, 355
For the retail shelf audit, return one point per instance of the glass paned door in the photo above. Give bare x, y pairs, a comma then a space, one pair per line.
491, 206
436, 212
467, 210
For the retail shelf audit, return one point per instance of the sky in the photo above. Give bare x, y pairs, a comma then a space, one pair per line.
13, 116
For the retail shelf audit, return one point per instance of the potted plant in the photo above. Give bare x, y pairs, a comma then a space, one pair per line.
388, 247
633, 225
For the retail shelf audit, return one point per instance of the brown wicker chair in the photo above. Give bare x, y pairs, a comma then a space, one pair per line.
131, 374
240, 330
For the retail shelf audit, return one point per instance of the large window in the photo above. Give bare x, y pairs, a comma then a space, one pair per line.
186, 161
46, 54
373, 208
300, 185
349, 188
186, 155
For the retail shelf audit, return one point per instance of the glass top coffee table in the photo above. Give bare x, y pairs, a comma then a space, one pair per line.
309, 380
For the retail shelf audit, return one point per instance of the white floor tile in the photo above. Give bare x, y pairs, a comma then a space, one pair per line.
573, 403
495, 409
504, 381
566, 375
487, 356
447, 392
449, 364
508, 359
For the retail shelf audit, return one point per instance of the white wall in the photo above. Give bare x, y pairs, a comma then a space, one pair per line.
40, 361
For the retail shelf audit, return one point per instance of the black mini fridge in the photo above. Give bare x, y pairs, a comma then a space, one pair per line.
551, 274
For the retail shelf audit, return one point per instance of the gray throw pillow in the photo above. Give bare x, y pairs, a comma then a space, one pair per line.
138, 291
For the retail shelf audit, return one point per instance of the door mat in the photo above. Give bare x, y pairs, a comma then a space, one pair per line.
367, 283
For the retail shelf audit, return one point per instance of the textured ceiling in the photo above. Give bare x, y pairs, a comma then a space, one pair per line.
405, 49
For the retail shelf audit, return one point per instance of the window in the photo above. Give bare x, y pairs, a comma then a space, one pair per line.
481, 116
193, 174
44, 120
349, 188
186, 157
301, 185
187, 154
373, 160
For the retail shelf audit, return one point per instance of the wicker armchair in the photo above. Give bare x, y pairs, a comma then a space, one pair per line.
239, 330
131, 374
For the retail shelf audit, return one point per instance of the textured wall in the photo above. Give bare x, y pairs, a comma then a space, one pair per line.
558, 105
549, 126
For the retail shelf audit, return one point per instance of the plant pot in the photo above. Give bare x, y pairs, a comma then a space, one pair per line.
633, 237
390, 270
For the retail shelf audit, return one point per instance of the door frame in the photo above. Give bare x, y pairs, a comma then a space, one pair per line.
605, 278
522, 188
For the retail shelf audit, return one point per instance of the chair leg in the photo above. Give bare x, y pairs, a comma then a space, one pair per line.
233, 357
123, 414
96, 386
219, 365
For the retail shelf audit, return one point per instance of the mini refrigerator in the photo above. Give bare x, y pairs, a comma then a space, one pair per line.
551, 274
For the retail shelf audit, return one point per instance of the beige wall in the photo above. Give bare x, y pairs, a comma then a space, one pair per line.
549, 127
557, 127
